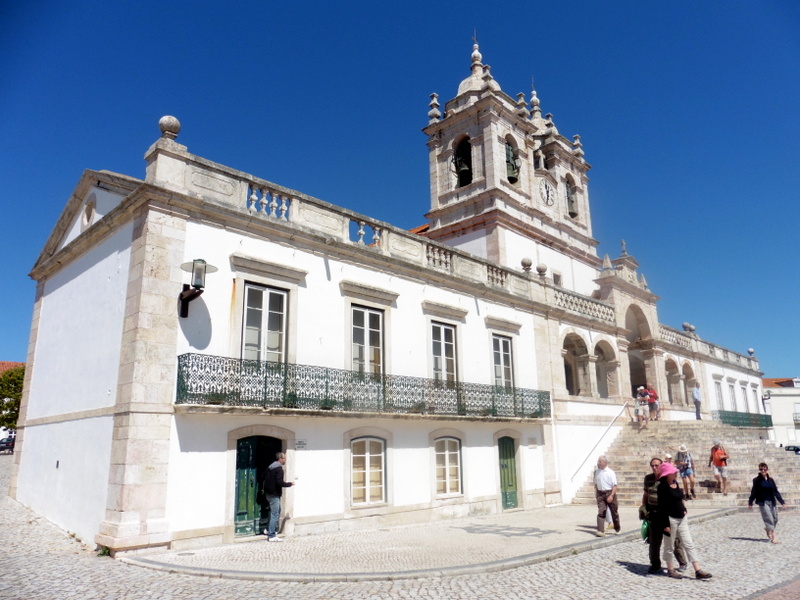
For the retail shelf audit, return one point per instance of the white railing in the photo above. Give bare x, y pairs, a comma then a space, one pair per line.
584, 305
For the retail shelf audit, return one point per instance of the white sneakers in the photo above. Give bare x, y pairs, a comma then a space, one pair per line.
275, 539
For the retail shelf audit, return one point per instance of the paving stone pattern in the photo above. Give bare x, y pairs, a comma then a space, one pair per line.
39, 561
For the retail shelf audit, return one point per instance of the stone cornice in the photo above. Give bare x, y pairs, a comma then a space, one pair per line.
257, 266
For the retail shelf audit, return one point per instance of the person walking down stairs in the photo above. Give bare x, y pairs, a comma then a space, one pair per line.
642, 407
685, 464
719, 458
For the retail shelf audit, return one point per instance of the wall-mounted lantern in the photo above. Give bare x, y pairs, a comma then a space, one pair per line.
198, 268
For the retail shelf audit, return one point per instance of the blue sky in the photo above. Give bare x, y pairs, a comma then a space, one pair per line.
687, 113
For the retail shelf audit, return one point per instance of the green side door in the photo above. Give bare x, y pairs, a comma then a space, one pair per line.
248, 511
508, 472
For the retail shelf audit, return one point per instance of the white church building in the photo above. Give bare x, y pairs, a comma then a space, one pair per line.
189, 325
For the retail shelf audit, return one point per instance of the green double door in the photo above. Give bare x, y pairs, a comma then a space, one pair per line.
253, 456
508, 472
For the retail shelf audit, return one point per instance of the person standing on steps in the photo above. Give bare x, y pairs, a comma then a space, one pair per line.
765, 493
655, 406
642, 407
655, 530
685, 464
605, 485
697, 400
273, 489
675, 523
719, 458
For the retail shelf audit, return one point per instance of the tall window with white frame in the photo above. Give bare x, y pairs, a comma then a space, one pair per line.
503, 369
744, 399
718, 393
367, 471
448, 466
732, 393
443, 338
367, 340
264, 335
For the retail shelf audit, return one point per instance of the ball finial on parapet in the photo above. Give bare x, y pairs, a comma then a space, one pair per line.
170, 127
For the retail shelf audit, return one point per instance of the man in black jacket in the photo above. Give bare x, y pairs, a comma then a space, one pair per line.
655, 532
273, 490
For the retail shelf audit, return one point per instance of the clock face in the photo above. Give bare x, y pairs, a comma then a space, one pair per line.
547, 192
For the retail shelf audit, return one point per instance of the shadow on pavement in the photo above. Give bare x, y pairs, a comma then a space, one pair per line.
507, 531
635, 568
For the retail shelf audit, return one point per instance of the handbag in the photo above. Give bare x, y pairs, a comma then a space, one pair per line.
645, 529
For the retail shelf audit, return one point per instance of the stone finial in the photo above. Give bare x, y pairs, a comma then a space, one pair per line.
577, 146
522, 108
535, 108
688, 327
607, 266
541, 269
750, 351
624, 248
550, 124
526, 264
170, 127
643, 281
434, 114
476, 56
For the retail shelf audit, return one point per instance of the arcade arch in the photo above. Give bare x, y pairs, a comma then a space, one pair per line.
639, 338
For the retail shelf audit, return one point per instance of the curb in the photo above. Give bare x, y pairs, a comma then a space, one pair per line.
486, 567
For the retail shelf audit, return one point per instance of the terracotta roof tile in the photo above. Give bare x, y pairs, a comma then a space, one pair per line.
7, 366
775, 382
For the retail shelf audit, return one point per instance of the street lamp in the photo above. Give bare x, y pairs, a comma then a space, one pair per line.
198, 268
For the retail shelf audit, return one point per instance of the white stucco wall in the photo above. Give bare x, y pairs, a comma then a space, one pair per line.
64, 473
103, 201
728, 375
575, 444
78, 346
575, 275
473, 242
202, 472
321, 321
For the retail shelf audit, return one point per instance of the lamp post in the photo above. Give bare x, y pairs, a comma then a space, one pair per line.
199, 269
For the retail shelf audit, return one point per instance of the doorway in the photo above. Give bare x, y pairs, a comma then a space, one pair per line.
254, 454
508, 472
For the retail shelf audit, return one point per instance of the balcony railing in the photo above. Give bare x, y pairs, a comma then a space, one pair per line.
740, 419
204, 379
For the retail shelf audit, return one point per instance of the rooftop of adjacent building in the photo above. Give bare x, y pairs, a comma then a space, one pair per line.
781, 382
8, 365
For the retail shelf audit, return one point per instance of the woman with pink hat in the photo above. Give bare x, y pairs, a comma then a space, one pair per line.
675, 523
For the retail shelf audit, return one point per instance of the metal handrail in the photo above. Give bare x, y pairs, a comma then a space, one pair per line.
597, 443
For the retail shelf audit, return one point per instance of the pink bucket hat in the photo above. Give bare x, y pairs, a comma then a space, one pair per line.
666, 469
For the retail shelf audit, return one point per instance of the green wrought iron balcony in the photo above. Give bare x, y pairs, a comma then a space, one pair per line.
741, 419
204, 379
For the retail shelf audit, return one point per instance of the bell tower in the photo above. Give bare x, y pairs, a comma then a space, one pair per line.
505, 185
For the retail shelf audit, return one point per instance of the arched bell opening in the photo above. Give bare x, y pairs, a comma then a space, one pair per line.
462, 162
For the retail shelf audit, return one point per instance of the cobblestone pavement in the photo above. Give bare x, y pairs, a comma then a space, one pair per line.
39, 561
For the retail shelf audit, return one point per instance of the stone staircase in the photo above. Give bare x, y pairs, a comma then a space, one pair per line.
629, 456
